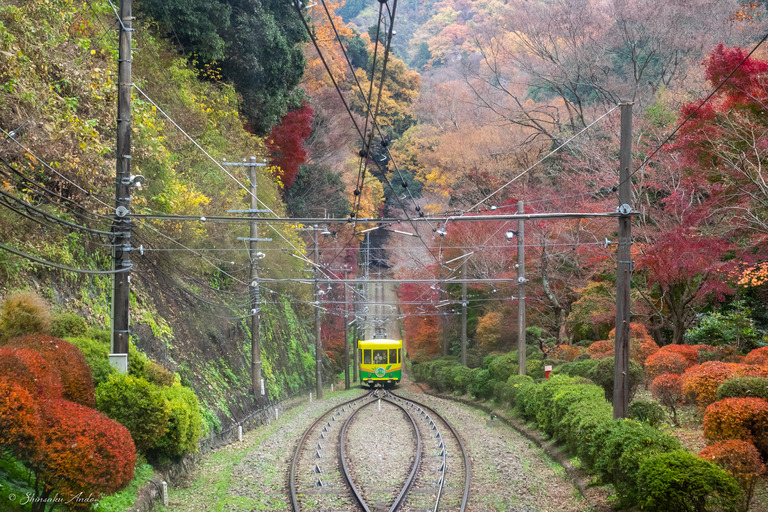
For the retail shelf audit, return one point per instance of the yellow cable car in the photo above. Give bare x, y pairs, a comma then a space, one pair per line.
380, 361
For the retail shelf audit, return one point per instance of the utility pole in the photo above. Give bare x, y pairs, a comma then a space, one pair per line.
121, 226
346, 331
464, 313
623, 270
253, 287
521, 346
318, 338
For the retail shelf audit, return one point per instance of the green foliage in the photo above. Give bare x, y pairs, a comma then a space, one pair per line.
535, 368
647, 411
509, 391
185, 425
462, 378
125, 499
744, 387
138, 405
23, 313
68, 324
583, 368
317, 184
211, 422
482, 384
602, 375
681, 482
735, 329
503, 367
626, 443
96, 354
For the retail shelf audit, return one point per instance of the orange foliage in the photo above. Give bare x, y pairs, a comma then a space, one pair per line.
757, 356
738, 418
752, 370
31, 371
740, 458
668, 389
19, 419
700, 382
315, 75
689, 352
83, 451
600, 349
662, 363
75, 373
566, 352
641, 344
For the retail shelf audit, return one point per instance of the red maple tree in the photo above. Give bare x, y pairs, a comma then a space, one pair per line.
286, 142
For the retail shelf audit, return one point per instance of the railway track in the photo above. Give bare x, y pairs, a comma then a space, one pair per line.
437, 459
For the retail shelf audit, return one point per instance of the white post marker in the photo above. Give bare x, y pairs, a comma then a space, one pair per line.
379, 403
310, 397
165, 493
262, 386
331, 387
276, 413
240, 433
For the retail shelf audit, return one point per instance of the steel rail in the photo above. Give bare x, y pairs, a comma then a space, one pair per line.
297, 454
467, 468
400, 500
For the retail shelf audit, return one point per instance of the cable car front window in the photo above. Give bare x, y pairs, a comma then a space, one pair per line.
393, 356
379, 357
366, 357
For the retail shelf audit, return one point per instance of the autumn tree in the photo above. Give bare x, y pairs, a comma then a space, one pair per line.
739, 458
668, 389
285, 142
745, 419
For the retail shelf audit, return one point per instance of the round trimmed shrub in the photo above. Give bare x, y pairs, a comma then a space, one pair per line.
20, 422
647, 411
535, 368
668, 389
24, 313
68, 324
482, 384
511, 387
84, 451
138, 405
602, 375
700, 382
185, 423
31, 371
744, 387
75, 373
679, 481
664, 362
502, 367
600, 349
462, 378
757, 356
581, 368
738, 418
741, 459
625, 444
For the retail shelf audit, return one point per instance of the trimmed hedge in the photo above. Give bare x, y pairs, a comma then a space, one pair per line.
185, 425
679, 481
744, 387
647, 411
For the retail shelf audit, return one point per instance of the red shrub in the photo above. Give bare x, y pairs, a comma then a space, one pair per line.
19, 419
600, 349
752, 370
758, 356
664, 362
741, 459
68, 360
566, 352
31, 371
700, 382
668, 389
83, 451
738, 418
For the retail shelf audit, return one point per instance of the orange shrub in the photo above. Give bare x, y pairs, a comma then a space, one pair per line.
739, 458
566, 352
75, 373
758, 356
700, 382
83, 452
664, 362
31, 371
752, 370
19, 419
745, 419
689, 352
641, 344
600, 349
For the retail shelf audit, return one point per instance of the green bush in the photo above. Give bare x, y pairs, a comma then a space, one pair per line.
211, 422
583, 427
679, 481
137, 362
511, 387
735, 329
581, 368
647, 411
602, 375
68, 324
489, 359
185, 426
157, 374
462, 378
96, 354
136, 404
535, 368
744, 387
482, 384
503, 367
625, 444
